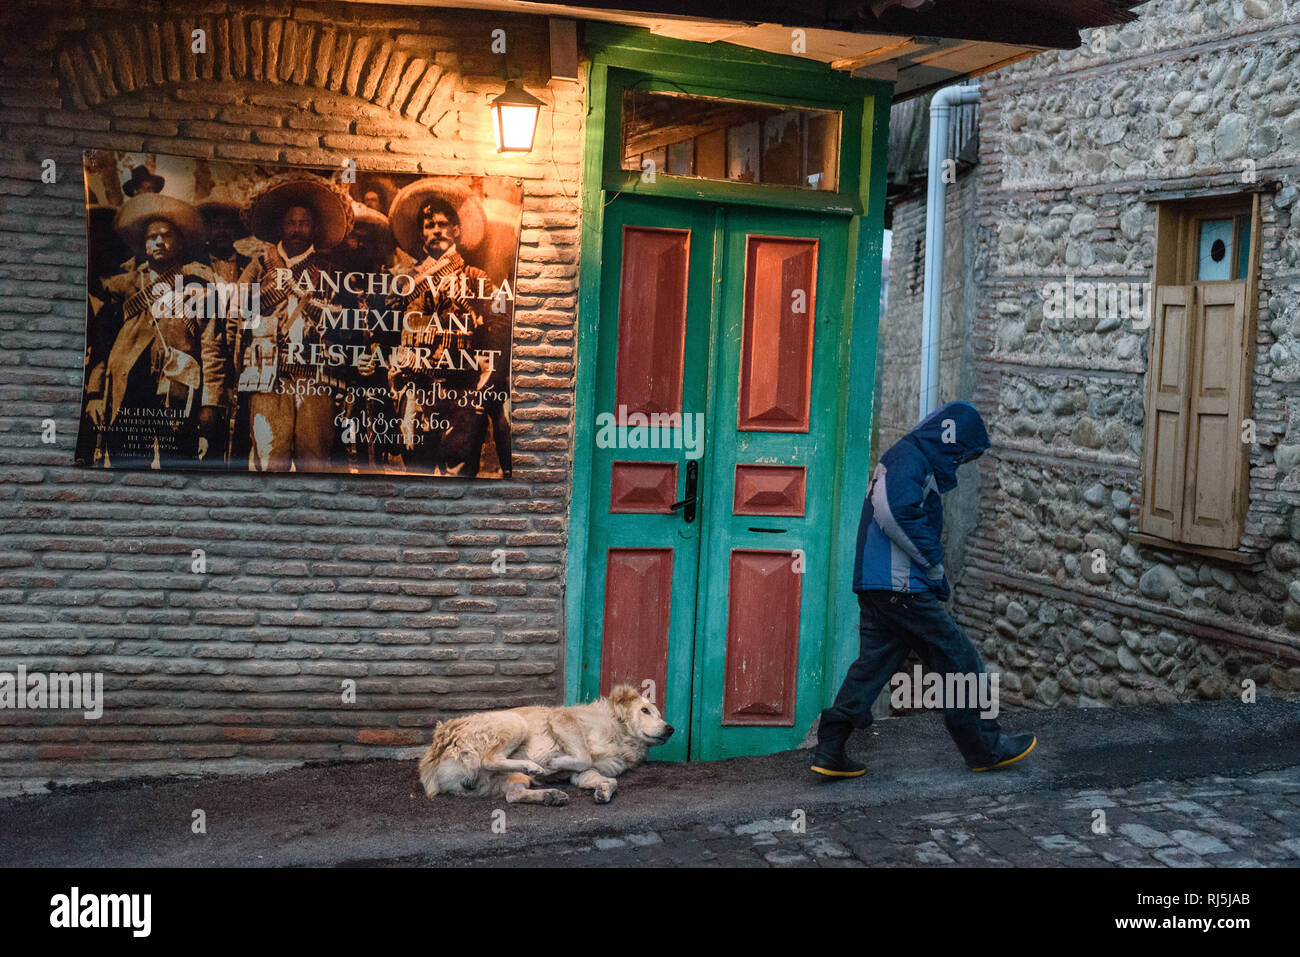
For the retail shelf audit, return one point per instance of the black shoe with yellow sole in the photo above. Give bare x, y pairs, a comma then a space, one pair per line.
832, 762
1011, 748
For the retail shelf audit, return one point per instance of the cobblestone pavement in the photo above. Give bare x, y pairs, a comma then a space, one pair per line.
1243, 821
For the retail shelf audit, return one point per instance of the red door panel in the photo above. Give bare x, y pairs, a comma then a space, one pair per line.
762, 639
652, 319
777, 345
769, 490
638, 607
642, 486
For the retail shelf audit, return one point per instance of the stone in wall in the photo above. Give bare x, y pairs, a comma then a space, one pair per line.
1075, 146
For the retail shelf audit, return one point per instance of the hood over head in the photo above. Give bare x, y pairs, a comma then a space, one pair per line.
947, 437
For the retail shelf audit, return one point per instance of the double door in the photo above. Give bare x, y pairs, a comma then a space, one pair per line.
714, 468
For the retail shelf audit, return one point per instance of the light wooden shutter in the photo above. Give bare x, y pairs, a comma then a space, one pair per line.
1164, 444
1215, 451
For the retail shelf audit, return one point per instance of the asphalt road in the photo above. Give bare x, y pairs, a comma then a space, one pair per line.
375, 812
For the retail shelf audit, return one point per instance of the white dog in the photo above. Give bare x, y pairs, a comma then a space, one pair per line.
502, 752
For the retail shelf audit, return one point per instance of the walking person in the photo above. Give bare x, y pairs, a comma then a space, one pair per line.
900, 581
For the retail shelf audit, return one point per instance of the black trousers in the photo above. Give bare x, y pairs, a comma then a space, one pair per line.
893, 624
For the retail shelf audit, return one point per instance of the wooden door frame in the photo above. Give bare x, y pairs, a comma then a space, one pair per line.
722, 69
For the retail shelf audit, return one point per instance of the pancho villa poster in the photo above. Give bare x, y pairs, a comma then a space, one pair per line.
264, 318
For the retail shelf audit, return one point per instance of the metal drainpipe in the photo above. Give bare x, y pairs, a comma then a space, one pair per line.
936, 191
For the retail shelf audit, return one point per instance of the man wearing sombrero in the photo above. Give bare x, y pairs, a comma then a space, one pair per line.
140, 182
368, 416
223, 219
299, 217
436, 222
143, 387
376, 191
222, 214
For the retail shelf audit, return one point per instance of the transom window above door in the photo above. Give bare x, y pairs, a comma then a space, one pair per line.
678, 134
1222, 248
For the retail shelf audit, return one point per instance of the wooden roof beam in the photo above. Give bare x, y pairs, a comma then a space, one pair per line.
888, 52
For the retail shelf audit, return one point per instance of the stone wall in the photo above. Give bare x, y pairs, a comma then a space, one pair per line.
310, 580
1072, 143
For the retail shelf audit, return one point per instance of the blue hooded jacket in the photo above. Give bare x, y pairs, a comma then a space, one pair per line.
900, 534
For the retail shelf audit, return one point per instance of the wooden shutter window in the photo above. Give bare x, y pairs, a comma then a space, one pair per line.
1164, 443
1214, 447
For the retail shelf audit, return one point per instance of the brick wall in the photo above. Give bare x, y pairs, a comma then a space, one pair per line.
310, 580
1069, 143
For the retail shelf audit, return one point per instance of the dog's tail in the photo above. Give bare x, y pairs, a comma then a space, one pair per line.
443, 733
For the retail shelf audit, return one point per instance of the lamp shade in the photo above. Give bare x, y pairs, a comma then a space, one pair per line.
514, 119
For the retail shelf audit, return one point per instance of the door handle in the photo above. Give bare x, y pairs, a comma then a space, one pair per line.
687, 505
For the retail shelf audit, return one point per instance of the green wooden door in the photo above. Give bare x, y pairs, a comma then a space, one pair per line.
721, 326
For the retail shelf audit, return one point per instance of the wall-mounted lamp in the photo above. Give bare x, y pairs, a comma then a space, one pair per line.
514, 119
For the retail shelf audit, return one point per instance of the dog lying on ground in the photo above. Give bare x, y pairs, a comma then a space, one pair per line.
499, 753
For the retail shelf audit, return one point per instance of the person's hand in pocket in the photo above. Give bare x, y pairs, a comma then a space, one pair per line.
939, 582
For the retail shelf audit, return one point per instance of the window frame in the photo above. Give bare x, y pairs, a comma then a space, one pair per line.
1236, 208
650, 87
845, 99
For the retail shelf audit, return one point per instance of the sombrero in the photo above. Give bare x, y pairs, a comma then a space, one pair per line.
139, 211
404, 214
365, 218
367, 182
332, 207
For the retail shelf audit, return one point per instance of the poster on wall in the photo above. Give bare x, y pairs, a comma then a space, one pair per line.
275, 319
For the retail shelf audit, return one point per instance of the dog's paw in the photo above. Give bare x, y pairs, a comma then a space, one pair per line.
604, 793
555, 798
534, 769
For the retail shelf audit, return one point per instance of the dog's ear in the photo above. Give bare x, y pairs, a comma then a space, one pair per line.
624, 695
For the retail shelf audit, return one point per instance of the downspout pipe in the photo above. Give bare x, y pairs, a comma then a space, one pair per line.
936, 192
